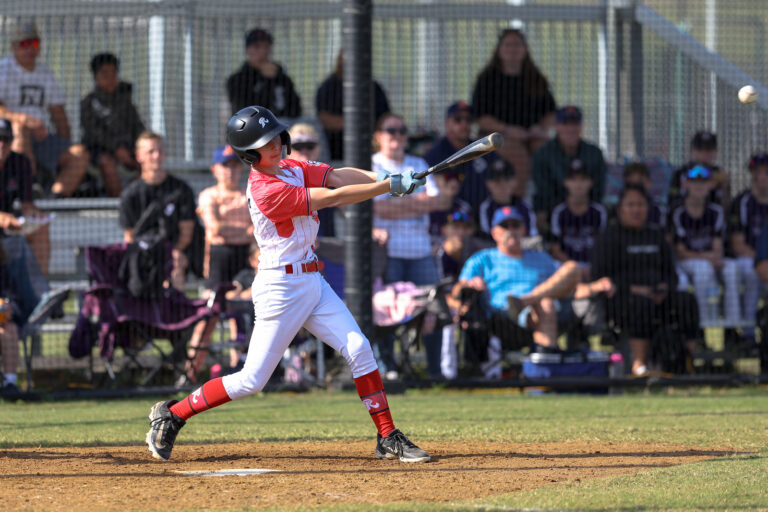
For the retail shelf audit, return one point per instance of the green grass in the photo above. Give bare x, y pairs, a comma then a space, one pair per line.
731, 419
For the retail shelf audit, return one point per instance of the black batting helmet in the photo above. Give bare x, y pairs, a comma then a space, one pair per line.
253, 128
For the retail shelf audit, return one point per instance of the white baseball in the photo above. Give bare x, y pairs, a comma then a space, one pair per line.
747, 94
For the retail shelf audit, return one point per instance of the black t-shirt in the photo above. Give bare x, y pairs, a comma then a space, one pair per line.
633, 256
473, 189
329, 98
698, 234
176, 199
249, 87
245, 277
747, 216
503, 97
15, 182
576, 233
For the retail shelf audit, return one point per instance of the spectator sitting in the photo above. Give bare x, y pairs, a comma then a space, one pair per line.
698, 230
552, 161
748, 215
329, 104
409, 253
448, 184
501, 181
260, 81
704, 152
16, 181
305, 145
637, 173
639, 260
29, 93
9, 333
512, 96
159, 207
522, 286
577, 221
458, 124
110, 122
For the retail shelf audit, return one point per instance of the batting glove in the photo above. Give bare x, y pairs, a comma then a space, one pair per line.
404, 183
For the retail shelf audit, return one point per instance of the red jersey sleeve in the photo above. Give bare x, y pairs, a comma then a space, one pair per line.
315, 173
280, 201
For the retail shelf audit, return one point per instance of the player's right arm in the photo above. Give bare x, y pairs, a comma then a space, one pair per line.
320, 198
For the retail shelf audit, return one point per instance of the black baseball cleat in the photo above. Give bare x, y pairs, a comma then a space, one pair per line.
164, 425
397, 445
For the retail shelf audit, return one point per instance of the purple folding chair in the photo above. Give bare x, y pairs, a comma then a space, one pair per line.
115, 318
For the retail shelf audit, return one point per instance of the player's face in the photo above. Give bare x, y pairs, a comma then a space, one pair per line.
272, 153
569, 133
26, 52
107, 78
392, 138
228, 174
578, 186
704, 156
760, 179
150, 153
698, 189
633, 210
458, 126
512, 50
258, 53
501, 190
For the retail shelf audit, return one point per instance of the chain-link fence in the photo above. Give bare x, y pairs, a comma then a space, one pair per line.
645, 75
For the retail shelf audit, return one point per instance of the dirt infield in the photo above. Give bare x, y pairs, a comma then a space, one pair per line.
310, 473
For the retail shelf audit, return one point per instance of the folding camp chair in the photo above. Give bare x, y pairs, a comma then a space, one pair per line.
117, 319
49, 304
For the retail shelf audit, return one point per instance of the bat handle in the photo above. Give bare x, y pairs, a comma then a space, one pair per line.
423, 174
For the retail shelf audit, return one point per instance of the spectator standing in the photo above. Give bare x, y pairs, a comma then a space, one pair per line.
305, 146
748, 215
260, 81
639, 261
458, 125
501, 181
703, 152
577, 221
30, 94
159, 206
638, 174
552, 161
16, 181
329, 103
409, 250
698, 230
512, 96
110, 122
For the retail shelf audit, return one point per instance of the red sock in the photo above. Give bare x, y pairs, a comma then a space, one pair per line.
370, 388
211, 394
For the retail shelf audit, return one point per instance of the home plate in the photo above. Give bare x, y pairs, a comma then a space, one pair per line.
227, 472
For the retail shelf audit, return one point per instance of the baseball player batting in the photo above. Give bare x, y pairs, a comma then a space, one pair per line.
288, 291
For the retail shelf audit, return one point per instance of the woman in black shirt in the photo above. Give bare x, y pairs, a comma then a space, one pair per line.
512, 97
639, 260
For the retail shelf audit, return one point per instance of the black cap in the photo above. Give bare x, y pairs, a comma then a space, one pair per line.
704, 140
499, 169
6, 129
568, 114
257, 35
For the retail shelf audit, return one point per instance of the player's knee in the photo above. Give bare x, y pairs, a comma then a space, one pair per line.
358, 354
243, 383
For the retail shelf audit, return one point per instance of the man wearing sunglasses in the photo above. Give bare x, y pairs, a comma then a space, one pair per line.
29, 95
458, 126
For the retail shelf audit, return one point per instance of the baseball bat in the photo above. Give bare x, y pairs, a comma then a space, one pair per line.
477, 149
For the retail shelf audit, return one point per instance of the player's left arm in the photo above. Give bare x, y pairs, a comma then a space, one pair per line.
343, 176
60, 121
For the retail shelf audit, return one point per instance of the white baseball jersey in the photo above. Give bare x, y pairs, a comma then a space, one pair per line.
284, 226
30, 92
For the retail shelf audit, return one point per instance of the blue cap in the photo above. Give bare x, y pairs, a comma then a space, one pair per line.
698, 172
224, 154
506, 213
458, 107
569, 114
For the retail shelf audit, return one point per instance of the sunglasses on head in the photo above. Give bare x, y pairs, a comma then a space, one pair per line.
464, 118
30, 43
458, 216
304, 146
758, 159
396, 131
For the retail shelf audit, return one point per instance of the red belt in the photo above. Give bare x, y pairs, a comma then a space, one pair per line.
312, 266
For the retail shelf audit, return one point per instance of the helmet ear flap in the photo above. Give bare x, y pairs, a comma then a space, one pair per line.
254, 156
